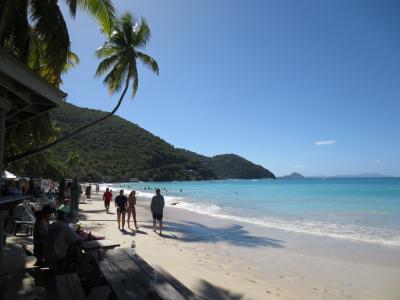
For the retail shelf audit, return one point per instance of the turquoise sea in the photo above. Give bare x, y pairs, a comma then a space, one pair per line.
366, 210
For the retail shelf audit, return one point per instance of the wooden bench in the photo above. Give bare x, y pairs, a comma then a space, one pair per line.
129, 277
69, 287
28, 225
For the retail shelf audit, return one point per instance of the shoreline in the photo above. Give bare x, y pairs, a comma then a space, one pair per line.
344, 232
221, 259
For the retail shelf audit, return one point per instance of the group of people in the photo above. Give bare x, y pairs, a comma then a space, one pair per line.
126, 206
58, 244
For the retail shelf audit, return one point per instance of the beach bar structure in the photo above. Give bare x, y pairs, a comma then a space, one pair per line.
24, 95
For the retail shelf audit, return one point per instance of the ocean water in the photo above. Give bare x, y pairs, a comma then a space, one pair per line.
366, 210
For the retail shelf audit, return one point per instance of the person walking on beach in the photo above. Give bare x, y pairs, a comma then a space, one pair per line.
157, 207
88, 192
107, 196
131, 209
121, 204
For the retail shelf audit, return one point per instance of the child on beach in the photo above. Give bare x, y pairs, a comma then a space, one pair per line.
131, 209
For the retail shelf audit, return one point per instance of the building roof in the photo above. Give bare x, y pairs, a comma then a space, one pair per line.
26, 92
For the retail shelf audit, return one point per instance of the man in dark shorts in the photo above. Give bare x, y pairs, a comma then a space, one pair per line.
121, 203
157, 207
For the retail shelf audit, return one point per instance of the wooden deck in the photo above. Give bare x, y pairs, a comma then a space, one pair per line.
130, 277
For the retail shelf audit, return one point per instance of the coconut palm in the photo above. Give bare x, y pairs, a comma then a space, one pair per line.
22, 22
120, 55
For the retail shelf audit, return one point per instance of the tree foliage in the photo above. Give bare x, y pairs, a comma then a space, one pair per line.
120, 56
116, 150
36, 31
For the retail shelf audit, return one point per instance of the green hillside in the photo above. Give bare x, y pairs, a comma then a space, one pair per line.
234, 166
116, 150
231, 166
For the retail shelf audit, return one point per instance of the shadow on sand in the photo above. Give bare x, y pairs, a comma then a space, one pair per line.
209, 291
234, 234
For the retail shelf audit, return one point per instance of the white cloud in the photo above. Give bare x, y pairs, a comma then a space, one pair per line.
377, 161
323, 143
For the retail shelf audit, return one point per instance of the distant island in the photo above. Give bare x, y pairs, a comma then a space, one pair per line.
117, 150
293, 175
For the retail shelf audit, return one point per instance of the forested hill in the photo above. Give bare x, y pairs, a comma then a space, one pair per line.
116, 150
232, 166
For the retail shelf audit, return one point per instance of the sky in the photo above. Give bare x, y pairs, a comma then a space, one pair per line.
297, 86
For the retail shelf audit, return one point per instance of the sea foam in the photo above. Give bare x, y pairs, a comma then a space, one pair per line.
340, 231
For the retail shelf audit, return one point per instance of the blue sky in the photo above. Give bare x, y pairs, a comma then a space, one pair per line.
309, 86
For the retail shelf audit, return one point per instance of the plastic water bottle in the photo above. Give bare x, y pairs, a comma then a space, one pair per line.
133, 247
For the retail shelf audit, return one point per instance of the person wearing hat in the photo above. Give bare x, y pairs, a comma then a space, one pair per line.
157, 207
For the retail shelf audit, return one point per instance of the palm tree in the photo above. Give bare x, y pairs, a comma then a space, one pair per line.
35, 32
120, 56
24, 22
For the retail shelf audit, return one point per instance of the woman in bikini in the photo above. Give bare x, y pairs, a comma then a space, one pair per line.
131, 209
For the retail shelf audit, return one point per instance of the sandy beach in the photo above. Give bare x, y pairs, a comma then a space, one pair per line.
220, 259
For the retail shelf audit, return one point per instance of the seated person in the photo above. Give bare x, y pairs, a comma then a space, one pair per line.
63, 244
65, 207
40, 231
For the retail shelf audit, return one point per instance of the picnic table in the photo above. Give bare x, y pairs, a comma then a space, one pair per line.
130, 277
98, 244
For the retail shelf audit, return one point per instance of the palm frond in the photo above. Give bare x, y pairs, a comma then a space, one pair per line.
72, 62
148, 61
50, 26
117, 75
106, 50
72, 4
102, 10
143, 35
15, 31
106, 64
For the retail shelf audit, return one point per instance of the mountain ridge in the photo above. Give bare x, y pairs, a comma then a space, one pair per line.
117, 149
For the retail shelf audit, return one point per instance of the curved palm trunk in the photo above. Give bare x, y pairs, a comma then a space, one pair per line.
33, 152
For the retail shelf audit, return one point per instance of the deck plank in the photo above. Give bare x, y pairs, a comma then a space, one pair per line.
129, 275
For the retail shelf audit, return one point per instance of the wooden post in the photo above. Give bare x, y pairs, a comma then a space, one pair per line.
4, 107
